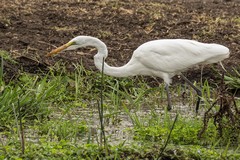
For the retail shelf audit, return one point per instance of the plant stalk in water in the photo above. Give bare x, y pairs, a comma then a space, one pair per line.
100, 110
168, 138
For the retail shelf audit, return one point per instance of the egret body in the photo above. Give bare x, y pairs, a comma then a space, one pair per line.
163, 58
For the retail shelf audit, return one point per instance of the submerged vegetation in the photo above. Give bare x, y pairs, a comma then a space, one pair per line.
56, 114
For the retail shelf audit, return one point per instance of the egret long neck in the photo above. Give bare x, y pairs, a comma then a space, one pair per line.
122, 71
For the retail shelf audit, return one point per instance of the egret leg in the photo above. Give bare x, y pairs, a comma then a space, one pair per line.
201, 75
199, 92
169, 107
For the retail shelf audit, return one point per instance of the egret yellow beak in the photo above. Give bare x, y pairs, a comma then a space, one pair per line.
59, 49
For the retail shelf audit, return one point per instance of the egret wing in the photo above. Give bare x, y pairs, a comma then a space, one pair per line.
168, 57
175, 55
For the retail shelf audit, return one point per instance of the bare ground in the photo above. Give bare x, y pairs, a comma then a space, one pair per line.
30, 29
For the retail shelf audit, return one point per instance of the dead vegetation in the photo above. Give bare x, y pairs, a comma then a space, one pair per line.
226, 116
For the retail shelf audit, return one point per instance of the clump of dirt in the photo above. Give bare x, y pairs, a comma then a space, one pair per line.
30, 29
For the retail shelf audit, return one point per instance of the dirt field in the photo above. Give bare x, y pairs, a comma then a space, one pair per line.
30, 29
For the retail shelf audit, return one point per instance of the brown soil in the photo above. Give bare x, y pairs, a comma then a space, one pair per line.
30, 29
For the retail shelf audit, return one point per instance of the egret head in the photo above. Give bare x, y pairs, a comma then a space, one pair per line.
77, 42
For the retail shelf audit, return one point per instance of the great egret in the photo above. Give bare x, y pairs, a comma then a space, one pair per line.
163, 58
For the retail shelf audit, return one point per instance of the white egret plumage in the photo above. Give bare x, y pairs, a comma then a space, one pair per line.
162, 58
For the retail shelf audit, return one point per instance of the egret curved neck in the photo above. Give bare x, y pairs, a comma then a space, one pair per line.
102, 54
123, 71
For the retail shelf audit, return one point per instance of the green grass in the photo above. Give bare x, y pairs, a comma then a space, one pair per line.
233, 79
57, 112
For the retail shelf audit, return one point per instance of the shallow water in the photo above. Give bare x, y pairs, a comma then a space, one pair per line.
119, 126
